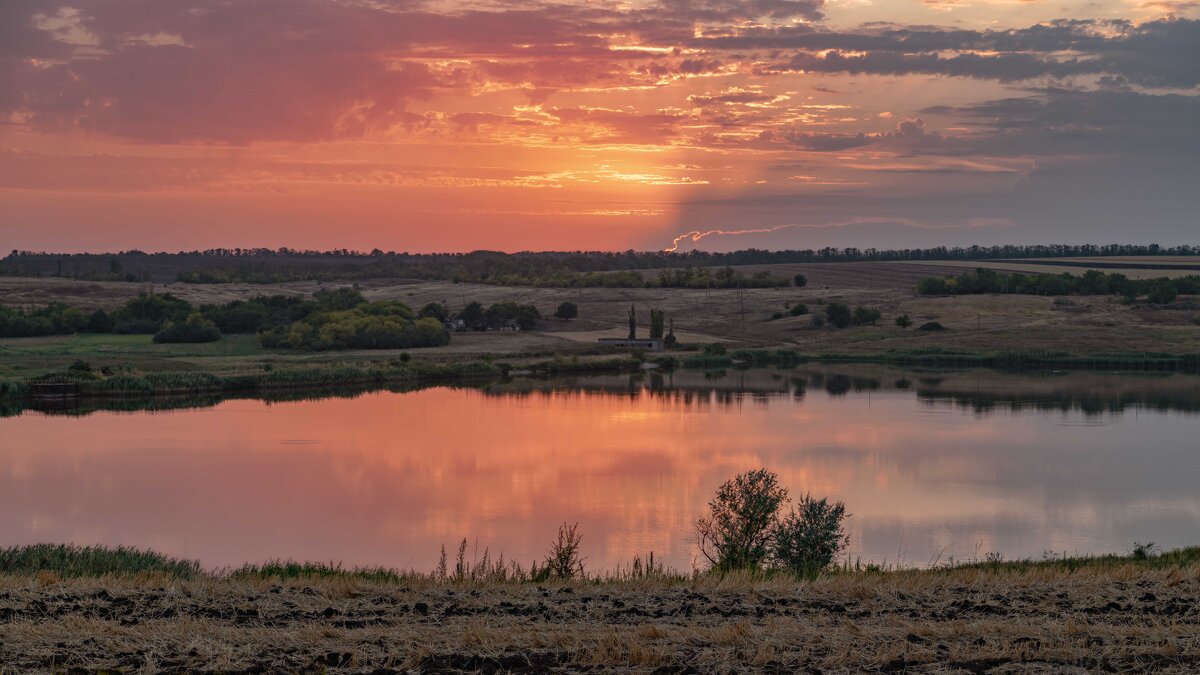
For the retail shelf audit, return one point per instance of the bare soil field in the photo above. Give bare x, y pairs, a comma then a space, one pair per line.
1121, 620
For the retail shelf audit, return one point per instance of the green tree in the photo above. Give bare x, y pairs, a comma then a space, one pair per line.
903, 321
838, 314
1162, 292
195, 328
473, 316
865, 316
808, 538
566, 311
632, 323
737, 532
800, 280
670, 340
657, 323
799, 309
434, 310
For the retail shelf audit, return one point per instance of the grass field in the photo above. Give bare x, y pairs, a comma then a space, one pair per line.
1107, 614
1080, 325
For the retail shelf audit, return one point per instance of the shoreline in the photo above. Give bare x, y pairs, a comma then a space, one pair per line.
398, 372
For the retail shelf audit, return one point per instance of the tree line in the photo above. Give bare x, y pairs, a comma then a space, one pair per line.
561, 268
1093, 282
331, 319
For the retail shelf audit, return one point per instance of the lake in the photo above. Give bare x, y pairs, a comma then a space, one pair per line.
932, 466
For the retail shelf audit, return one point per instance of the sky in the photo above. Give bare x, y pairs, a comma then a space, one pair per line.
451, 125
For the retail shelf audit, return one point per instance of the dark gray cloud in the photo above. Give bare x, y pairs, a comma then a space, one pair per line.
1163, 53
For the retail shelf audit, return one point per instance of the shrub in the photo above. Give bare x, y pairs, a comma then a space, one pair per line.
810, 536
80, 366
800, 280
737, 532
566, 311
714, 349
818, 321
434, 310
777, 316
1162, 292
932, 286
798, 309
838, 314
932, 325
865, 316
903, 321
195, 329
563, 560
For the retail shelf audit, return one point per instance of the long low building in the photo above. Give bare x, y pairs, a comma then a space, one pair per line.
652, 344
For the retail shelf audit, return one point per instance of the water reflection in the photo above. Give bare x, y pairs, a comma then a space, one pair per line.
930, 464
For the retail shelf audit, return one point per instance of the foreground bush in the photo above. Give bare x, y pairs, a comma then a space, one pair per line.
809, 538
736, 534
744, 529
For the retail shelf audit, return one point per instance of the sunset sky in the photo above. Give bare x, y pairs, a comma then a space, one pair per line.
450, 125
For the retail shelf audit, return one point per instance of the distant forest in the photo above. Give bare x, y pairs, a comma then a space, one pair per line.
578, 268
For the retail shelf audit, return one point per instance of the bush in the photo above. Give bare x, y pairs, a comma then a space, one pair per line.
865, 316
799, 309
80, 366
434, 310
380, 325
563, 560
800, 280
714, 349
737, 532
566, 311
1162, 293
809, 538
777, 316
195, 329
932, 325
838, 314
903, 321
818, 321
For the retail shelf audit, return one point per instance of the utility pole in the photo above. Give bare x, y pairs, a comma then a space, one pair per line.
742, 303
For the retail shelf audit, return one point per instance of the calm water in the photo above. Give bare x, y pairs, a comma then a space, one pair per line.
931, 467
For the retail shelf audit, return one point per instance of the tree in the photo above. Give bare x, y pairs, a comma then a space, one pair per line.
632, 323
809, 537
799, 309
800, 280
737, 532
566, 311
657, 323
865, 316
472, 316
434, 310
838, 314
1162, 292
903, 321
194, 329
670, 340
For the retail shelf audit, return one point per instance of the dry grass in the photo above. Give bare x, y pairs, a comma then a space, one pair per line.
981, 323
1124, 618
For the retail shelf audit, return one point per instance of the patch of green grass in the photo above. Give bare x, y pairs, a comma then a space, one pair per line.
69, 561
291, 570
